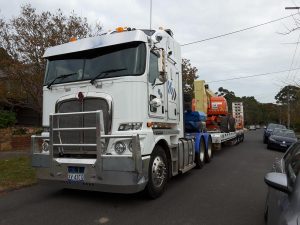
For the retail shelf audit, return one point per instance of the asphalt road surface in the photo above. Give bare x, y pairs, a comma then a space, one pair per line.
229, 190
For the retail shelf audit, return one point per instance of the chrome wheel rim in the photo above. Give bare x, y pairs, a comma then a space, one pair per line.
159, 171
209, 151
202, 153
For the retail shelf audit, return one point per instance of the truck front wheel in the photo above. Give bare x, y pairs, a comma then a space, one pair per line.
157, 173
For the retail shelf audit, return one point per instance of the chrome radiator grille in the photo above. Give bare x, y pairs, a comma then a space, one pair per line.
79, 121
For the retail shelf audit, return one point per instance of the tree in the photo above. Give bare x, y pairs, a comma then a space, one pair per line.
288, 99
188, 76
24, 39
289, 93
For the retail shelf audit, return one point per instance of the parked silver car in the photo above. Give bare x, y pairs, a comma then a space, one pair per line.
283, 199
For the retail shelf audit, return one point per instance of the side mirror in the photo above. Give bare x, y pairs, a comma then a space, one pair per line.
156, 102
277, 181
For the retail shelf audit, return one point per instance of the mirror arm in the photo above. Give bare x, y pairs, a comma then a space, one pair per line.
172, 60
154, 85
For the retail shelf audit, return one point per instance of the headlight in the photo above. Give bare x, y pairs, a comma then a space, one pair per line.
120, 147
45, 146
130, 126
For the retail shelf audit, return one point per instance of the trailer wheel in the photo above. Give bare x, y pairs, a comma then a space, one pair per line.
224, 124
231, 122
200, 157
157, 173
238, 139
209, 151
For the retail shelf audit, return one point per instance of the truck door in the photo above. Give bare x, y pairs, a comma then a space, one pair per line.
172, 88
172, 83
156, 89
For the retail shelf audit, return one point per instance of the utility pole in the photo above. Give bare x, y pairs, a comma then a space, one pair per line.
288, 100
288, 110
150, 14
295, 7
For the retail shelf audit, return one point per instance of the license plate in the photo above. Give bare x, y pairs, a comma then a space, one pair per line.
76, 174
283, 145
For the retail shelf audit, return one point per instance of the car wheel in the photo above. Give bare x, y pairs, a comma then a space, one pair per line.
266, 213
265, 140
157, 173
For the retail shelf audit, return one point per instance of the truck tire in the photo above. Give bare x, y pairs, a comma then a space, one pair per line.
209, 151
158, 173
200, 157
231, 122
224, 124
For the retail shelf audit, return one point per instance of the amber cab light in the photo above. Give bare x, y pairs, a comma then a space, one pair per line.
73, 39
119, 29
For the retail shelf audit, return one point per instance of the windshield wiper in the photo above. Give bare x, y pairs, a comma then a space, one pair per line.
105, 73
63, 76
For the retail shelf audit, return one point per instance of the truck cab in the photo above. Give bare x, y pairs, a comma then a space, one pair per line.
113, 113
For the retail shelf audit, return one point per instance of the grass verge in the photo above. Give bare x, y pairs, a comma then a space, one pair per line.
15, 173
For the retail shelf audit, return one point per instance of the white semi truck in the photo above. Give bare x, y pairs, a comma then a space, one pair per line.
113, 115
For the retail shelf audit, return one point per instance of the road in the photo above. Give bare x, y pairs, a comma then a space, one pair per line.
228, 191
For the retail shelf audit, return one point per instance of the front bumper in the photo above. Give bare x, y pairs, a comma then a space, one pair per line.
100, 171
117, 174
278, 146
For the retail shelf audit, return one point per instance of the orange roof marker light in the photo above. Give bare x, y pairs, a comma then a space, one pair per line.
149, 124
73, 39
119, 29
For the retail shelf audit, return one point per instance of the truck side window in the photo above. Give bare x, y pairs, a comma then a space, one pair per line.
153, 68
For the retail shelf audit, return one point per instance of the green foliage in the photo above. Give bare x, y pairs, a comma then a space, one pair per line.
16, 172
38, 131
254, 111
7, 119
288, 93
20, 131
188, 76
23, 40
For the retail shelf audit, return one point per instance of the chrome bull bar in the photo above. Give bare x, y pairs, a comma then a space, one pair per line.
99, 130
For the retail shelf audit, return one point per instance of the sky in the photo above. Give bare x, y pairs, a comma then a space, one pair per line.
256, 51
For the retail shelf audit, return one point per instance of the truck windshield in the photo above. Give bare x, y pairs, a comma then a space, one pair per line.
88, 64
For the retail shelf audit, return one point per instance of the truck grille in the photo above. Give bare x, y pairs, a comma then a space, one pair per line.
79, 121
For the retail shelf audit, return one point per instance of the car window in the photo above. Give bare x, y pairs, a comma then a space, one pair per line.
289, 152
292, 160
272, 126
